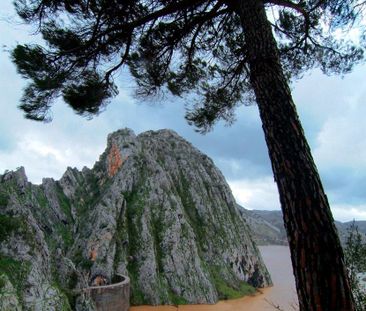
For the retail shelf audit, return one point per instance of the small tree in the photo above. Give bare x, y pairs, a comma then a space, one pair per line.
228, 52
355, 256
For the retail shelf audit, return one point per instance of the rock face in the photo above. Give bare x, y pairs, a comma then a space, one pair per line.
267, 226
153, 208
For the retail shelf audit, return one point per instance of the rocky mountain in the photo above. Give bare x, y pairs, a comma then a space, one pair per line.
153, 208
268, 227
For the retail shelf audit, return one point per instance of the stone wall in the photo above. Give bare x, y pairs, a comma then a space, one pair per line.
113, 297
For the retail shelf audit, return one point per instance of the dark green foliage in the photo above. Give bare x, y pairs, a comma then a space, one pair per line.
137, 296
121, 240
66, 234
16, 272
355, 256
41, 198
4, 198
73, 280
227, 291
84, 92
177, 300
135, 208
81, 261
180, 46
196, 221
158, 233
355, 249
86, 264
32, 63
135, 202
9, 225
61, 237
69, 297
86, 96
2, 283
65, 289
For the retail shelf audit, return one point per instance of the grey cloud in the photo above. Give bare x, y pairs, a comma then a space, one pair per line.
239, 150
346, 187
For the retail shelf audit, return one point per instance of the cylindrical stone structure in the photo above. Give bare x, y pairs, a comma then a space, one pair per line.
113, 297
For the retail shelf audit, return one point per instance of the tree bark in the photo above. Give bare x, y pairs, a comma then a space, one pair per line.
317, 257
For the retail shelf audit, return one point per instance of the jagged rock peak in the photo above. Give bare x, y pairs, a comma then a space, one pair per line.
153, 207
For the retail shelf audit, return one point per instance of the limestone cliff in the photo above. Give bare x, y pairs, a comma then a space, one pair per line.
153, 207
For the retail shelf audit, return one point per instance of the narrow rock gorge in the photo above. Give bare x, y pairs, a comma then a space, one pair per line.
153, 208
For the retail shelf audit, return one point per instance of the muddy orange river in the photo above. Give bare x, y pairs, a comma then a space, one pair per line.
282, 294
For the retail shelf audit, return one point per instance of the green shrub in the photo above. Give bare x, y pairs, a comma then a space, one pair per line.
227, 291
2, 282
177, 300
81, 261
355, 257
16, 271
86, 264
4, 199
66, 235
8, 225
137, 296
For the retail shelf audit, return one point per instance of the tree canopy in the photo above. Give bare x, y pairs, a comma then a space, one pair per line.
355, 256
177, 46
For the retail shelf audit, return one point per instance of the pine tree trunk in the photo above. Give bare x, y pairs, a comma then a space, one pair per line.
317, 257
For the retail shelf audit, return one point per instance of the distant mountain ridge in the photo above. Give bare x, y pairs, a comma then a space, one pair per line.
268, 228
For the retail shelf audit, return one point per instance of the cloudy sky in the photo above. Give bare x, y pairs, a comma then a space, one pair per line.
332, 110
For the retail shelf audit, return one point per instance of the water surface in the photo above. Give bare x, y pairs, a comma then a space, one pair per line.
283, 293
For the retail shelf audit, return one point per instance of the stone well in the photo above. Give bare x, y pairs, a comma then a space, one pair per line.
112, 297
